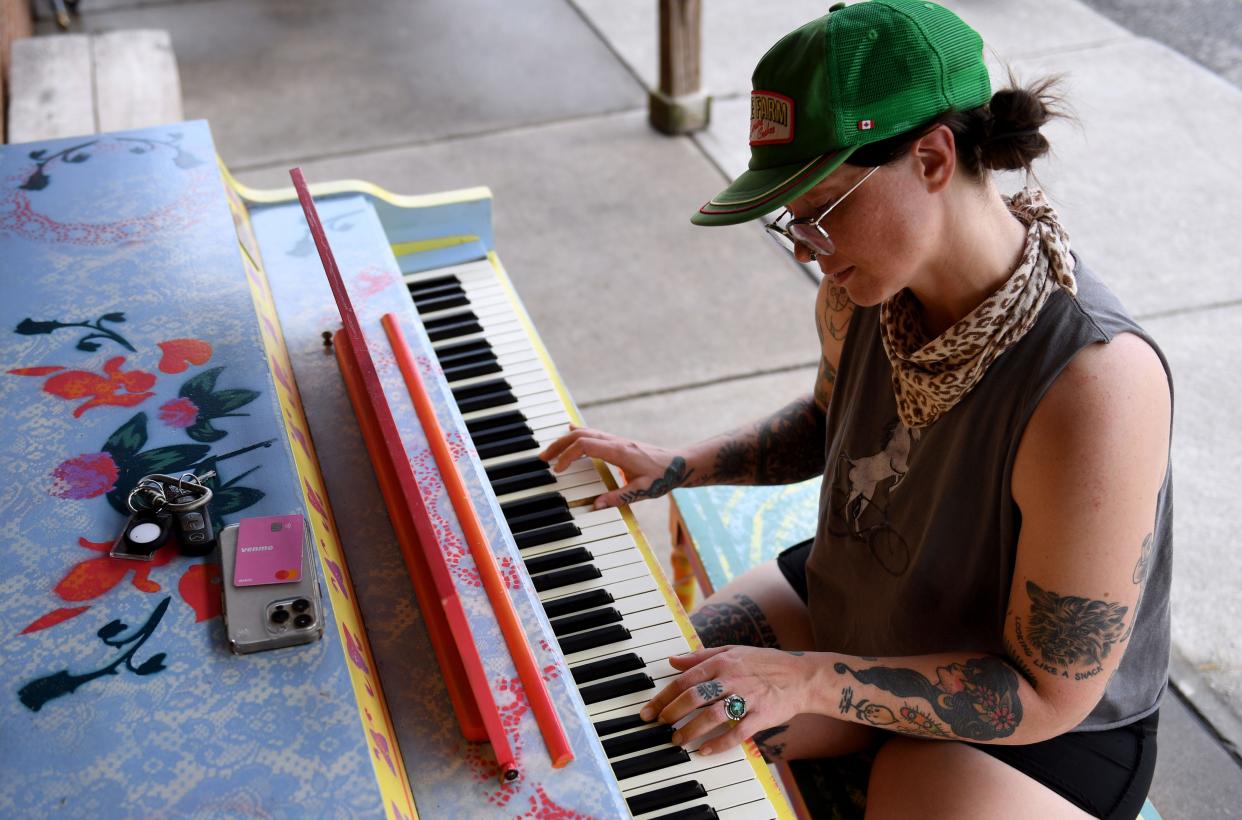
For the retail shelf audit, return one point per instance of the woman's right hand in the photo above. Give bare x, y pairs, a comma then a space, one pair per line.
649, 471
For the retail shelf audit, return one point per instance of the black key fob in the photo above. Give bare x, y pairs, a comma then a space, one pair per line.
144, 533
195, 535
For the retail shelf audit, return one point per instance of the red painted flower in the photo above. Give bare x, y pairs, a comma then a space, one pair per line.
85, 476
117, 387
179, 412
179, 354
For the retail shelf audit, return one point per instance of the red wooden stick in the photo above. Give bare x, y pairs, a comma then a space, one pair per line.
536, 688
446, 591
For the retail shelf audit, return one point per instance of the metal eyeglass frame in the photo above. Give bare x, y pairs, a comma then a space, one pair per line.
814, 237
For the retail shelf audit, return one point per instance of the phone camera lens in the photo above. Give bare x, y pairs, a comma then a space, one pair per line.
279, 616
301, 605
302, 621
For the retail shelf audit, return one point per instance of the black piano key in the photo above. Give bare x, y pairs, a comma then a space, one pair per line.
470, 370
607, 667
537, 519
505, 446
609, 689
500, 432
527, 481
546, 535
450, 327
555, 560
595, 638
497, 420
585, 620
543, 501
435, 304
565, 577
665, 797
423, 294
466, 351
642, 739
618, 724
432, 284
576, 603
482, 400
650, 762
703, 812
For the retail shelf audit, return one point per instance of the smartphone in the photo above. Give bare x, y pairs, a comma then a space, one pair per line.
278, 600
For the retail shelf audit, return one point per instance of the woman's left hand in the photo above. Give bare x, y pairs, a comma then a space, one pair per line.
773, 683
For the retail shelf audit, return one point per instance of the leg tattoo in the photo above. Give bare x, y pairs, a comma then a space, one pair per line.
742, 622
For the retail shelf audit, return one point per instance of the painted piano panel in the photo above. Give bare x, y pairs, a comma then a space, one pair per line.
137, 338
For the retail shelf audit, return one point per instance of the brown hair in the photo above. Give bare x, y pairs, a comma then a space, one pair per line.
1002, 135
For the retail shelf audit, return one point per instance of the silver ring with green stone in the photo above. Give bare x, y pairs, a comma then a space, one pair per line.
735, 707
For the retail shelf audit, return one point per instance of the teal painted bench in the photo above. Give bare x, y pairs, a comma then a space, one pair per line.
720, 532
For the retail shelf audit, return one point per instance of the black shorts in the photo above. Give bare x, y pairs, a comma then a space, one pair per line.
1106, 773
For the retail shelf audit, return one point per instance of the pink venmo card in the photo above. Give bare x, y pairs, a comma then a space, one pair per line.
269, 551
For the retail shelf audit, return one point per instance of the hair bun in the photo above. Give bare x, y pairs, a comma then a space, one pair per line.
1011, 140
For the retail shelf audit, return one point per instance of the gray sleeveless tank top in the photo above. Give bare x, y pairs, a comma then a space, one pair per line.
918, 530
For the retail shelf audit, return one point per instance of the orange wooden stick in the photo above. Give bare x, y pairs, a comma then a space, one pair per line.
523, 658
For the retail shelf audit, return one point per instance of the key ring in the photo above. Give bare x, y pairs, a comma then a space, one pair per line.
157, 501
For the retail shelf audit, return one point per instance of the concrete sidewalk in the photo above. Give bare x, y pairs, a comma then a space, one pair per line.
667, 332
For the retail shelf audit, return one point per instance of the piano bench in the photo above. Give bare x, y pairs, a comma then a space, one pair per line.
717, 534
67, 85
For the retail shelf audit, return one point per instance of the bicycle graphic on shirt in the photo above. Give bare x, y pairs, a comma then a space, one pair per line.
859, 501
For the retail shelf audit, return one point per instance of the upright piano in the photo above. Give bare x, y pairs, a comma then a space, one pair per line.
158, 314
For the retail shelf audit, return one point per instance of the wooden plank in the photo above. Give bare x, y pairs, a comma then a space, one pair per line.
50, 87
14, 24
136, 80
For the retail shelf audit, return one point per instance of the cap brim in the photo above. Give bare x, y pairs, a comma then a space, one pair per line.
756, 193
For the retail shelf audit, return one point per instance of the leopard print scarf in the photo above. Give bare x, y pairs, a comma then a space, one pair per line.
930, 377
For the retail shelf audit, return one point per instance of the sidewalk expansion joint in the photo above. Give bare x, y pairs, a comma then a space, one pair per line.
664, 391
268, 163
1182, 311
1213, 711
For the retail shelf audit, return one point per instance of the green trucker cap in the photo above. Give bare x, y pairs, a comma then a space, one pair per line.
858, 75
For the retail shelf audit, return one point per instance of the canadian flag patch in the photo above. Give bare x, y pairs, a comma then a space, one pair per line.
865, 125
771, 118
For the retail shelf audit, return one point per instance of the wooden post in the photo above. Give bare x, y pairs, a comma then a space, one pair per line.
679, 105
14, 23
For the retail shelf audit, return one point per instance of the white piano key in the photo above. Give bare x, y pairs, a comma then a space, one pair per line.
589, 535
682, 771
511, 332
634, 698
514, 372
724, 793
638, 638
466, 270
598, 546
607, 580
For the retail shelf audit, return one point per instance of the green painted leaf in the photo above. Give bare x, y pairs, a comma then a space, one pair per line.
112, 317
235, 499
88, 346
29, 327
38, 154
171, 460
36, 182
111, 629
199, 388
226, 401
128, 439
202, 430
151, 665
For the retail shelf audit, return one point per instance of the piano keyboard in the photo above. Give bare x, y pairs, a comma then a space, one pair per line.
606, 610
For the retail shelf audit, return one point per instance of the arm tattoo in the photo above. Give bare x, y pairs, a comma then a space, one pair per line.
1139, 577
977, 700
791, 444
676, 475
735, 460
709, 690
766, 741
739, 623
1019, 664
1067, 631
824, 382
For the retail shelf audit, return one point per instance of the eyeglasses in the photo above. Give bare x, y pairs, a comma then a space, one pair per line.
807, 231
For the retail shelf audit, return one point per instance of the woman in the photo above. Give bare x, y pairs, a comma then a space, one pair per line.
985, 603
